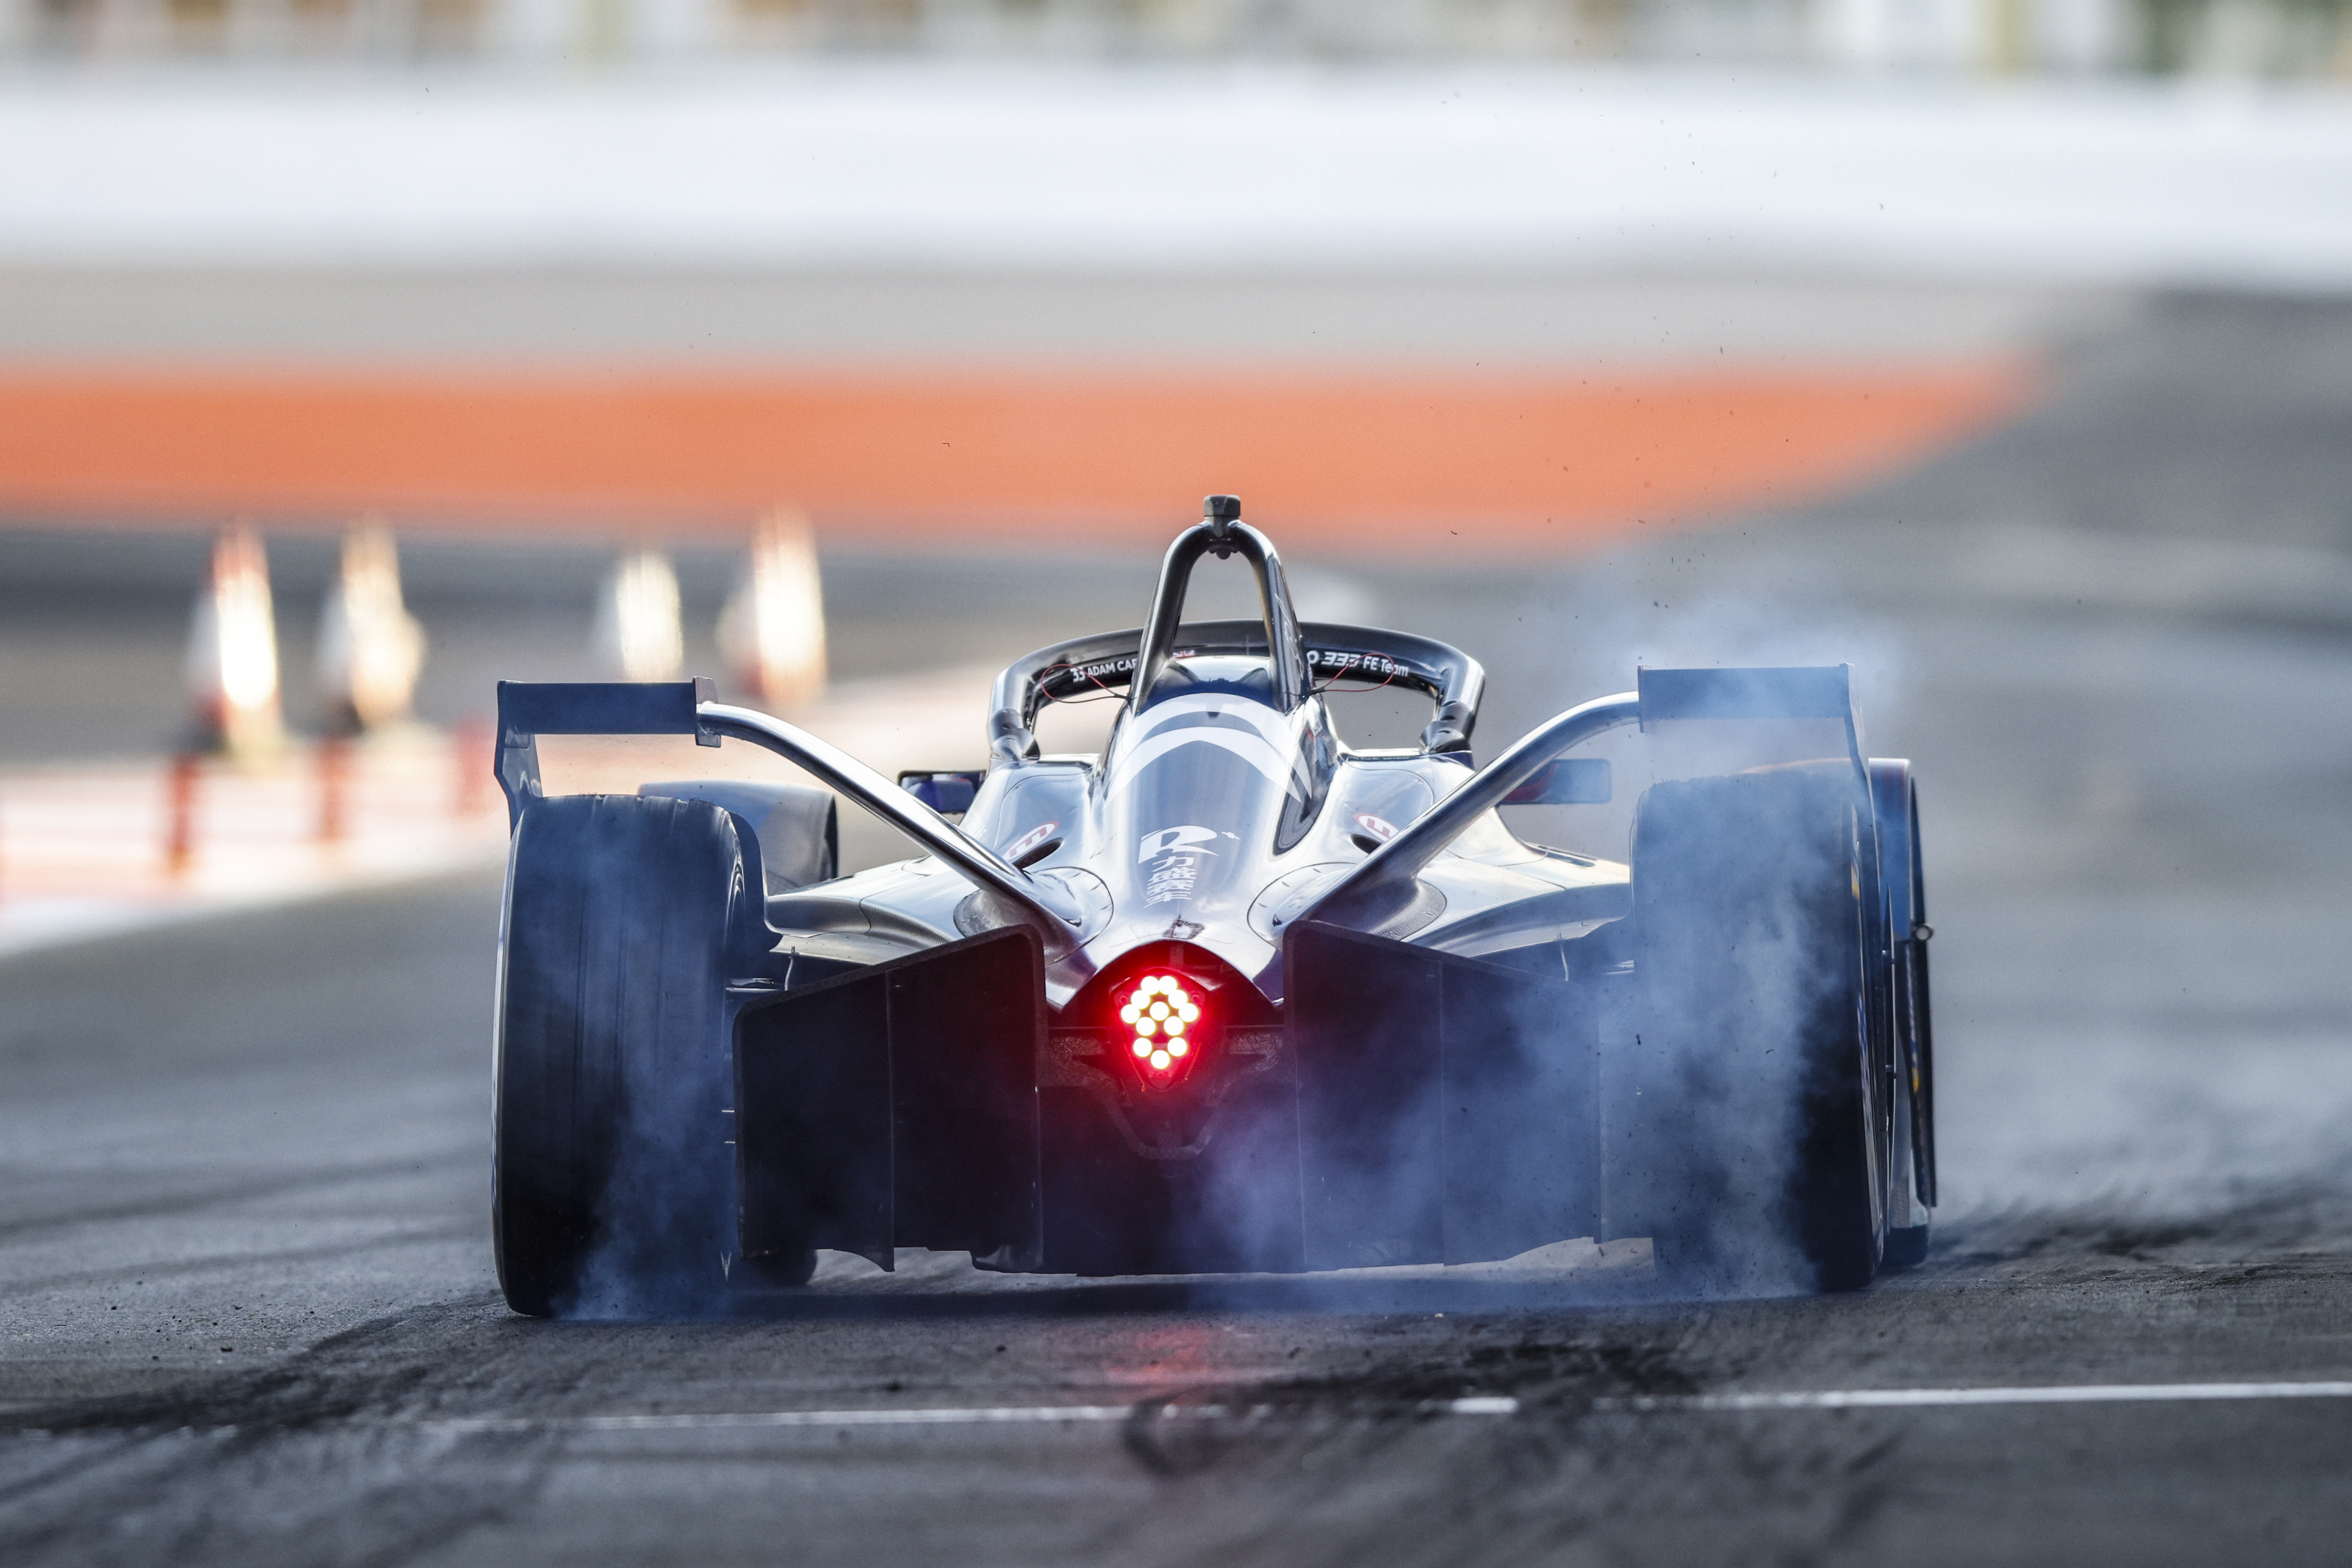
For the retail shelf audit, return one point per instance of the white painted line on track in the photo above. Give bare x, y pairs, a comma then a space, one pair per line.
1929, 1398
1490, 1405
946, 1415
921, 1415
1476, 1405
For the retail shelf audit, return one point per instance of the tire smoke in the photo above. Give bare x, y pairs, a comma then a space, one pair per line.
1737, 1152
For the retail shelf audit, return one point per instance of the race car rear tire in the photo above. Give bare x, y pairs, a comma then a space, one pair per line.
1762, 1123
611, 1177
1912, 1174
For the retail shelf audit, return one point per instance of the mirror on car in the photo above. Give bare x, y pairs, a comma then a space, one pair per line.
1565, 781
949, 794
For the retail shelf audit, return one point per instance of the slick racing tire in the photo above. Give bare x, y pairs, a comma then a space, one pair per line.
611, 1178
1765, 1158
1914, 1024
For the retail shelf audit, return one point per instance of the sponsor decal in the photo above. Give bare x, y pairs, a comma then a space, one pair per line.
1176, 861
1030, 840
1379, 827
1169, 839
1110, 671
1104, 670
1341, 661
1333, 662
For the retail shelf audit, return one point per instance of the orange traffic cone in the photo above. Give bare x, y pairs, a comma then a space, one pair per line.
233, 652
369, 646
772, 630
637, 636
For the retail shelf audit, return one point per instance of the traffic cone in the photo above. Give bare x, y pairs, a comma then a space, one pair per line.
771, 632
637, 637
369, 646
233, 652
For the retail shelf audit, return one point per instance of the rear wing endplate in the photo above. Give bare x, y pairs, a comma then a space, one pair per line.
1821, 691
530, 709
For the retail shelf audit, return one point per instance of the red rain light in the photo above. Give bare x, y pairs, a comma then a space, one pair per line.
1160, 1018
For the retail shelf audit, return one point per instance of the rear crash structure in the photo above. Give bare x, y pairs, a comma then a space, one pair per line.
1226, 995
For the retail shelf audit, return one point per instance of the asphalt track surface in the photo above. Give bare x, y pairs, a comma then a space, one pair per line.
244, 1234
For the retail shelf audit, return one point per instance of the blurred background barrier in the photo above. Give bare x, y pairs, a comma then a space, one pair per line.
869, 169
2217, 36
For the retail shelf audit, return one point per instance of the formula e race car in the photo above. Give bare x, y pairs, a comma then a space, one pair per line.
1227, 995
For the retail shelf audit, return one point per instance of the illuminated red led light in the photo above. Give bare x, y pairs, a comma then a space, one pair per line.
1159, 1011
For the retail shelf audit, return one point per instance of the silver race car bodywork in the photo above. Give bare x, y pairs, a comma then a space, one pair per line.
1228, 995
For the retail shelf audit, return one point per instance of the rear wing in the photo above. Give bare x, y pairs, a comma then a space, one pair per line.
530, 709
1823, 692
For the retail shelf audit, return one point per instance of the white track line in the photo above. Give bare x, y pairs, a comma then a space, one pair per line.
759, 1420
1049, 1415
1922, 1398
1483, 1405
922, 1416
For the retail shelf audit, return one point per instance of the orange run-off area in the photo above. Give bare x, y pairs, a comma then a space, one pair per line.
1517, 461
